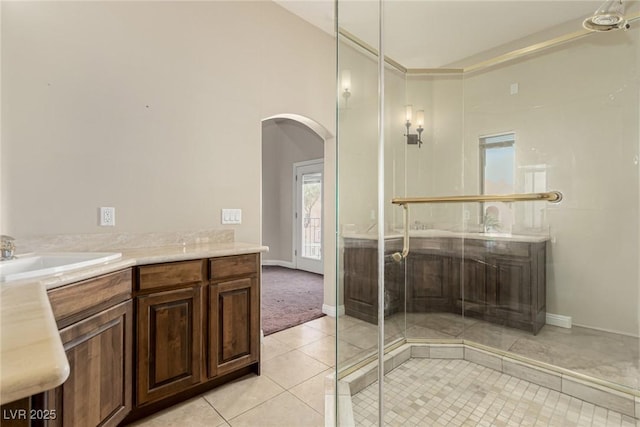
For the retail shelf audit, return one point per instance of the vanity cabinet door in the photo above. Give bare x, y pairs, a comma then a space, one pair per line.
233, 313
234, 324
361, 283
98, 390
169, 343
428, 283
509, 290
469, 281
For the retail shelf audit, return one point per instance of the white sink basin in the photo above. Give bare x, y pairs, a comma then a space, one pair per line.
40, 264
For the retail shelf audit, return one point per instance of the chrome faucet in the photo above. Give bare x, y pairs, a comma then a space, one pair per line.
7, 248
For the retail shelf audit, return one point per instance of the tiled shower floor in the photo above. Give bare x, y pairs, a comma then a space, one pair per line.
611, 357
454, 392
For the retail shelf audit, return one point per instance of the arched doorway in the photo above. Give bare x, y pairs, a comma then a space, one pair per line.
295, 184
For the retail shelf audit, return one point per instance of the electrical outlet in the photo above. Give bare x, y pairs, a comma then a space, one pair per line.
107, 217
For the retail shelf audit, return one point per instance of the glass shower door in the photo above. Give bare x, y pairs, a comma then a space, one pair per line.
518, 290
371, 167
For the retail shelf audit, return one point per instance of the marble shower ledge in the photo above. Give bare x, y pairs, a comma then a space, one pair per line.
425, 234
32, 358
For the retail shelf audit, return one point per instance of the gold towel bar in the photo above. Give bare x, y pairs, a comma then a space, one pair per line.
552, 196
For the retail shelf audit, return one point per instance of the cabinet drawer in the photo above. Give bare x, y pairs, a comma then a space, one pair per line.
236, 265
79, 300
476, 248
170, 274
516, 249
430, 244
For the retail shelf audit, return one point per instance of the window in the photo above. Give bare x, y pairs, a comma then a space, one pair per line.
497, 169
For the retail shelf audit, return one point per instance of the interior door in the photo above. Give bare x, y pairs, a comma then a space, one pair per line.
308, 216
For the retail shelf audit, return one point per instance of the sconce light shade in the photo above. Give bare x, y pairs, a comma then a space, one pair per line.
420, 118
409, 113
346, 83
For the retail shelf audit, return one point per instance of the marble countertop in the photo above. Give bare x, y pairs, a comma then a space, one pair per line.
452, 234
32, 358
154, 255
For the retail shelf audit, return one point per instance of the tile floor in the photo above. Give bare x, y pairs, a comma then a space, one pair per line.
445, 392
290, 391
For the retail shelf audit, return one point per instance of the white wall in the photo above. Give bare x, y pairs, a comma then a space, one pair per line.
284, 142
152, 107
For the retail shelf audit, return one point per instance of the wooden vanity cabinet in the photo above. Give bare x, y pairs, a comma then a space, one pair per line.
234, 313
96, 321
504, 282
516, 285
197, 325
169, 329
197, 321
500, 281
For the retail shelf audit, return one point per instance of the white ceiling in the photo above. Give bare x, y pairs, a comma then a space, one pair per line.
448, 33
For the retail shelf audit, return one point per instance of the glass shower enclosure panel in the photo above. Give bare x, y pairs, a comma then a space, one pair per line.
370, 172
358, 219
529, 288
568, 122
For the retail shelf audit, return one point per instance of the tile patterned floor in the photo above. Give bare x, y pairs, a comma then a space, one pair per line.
445, 392
290, 391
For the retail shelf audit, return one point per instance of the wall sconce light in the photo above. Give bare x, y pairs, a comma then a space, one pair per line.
413, 139
346, 84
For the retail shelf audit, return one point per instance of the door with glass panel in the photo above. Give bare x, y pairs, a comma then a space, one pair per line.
308, 216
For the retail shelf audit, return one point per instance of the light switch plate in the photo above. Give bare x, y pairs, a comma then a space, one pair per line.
232, 216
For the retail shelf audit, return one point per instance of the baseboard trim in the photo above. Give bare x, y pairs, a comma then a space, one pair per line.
559, 320
330, 310
613, 331
278, 263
